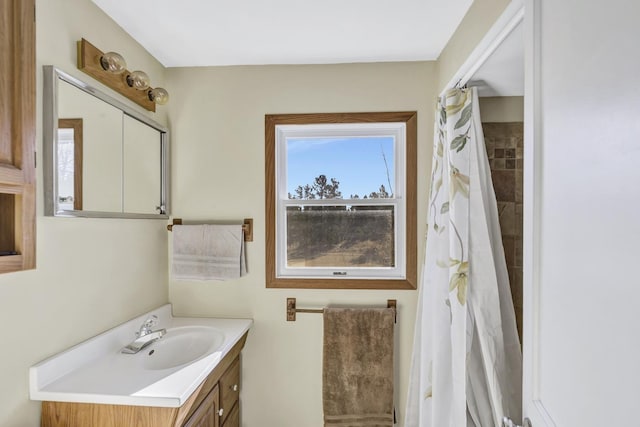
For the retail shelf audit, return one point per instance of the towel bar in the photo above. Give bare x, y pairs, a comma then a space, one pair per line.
247, 227
292, 309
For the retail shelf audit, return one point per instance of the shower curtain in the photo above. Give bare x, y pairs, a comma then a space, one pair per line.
467, 363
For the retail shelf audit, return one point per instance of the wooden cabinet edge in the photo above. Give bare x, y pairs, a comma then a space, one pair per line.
17, 145
69, 414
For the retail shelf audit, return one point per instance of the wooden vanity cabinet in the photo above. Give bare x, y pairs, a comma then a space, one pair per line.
215, 403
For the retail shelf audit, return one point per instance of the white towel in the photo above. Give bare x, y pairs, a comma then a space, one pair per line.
208, 252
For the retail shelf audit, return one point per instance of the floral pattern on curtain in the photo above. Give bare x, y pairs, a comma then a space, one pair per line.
466, 364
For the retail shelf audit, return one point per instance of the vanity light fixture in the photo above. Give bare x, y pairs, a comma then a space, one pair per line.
158, 95
138, 80
113, 62
110, 69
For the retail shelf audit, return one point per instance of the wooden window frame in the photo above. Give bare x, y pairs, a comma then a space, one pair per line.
410, 280
78, 140
17, 136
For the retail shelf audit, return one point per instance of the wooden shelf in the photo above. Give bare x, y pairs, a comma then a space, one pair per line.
10, 263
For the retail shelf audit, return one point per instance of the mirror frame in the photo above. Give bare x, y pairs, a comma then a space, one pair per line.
51, 76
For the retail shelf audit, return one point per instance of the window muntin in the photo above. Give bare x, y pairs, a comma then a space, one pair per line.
338, 216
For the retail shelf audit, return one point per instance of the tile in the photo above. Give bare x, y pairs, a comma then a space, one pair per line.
516, 296
508, 218
489, 128
511, 278
510, 153
517, 261
499, 163
516, 286
504, 185
489, 143
499, 153
509, 245
518, 187
510, 164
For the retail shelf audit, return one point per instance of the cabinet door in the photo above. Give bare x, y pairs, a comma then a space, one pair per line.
229, 389
207, 413
233, 418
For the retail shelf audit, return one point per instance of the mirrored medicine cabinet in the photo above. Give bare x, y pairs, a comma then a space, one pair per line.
102, 158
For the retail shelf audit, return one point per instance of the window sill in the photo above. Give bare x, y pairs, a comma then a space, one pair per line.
291, 283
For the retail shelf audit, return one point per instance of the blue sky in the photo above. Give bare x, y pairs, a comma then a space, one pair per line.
356, 162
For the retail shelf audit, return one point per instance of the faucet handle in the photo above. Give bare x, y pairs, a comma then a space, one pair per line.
151, 321
147, 325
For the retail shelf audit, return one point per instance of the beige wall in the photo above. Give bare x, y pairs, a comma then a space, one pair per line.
502, 109
92, 274
481, 16
217, 119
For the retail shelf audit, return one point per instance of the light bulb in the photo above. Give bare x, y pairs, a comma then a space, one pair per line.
138, 80
159, 95
113, 62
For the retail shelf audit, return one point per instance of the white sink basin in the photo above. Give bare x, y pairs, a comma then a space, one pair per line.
164, 374
182, 345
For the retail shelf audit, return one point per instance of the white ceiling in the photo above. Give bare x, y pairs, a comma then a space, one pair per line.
209, 32
502, 74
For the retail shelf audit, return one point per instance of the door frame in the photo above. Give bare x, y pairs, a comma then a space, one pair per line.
527, 13
532, 405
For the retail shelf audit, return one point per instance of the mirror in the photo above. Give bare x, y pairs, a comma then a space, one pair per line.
102, 158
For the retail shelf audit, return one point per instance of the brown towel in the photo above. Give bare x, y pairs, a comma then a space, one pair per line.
357, 377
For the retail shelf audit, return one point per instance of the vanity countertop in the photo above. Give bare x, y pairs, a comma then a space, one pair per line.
95, 371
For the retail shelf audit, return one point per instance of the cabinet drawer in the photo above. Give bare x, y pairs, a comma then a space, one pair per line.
229, 388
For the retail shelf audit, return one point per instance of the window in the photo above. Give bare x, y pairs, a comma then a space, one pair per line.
341, 200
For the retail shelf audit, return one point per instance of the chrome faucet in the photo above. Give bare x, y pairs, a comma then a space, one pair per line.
145, 336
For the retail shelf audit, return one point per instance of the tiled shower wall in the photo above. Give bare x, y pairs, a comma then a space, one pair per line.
504, 142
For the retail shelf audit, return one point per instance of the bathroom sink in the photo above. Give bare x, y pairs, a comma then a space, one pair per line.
163, 374
182, 345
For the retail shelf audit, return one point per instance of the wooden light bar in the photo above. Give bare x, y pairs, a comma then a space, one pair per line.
89, 62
